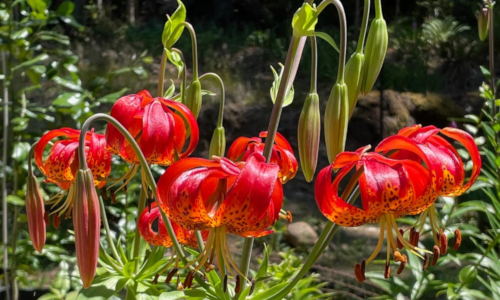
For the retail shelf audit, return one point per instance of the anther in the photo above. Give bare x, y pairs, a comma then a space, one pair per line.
357, 272
180, 287
443, 242
402, 265
104, 193
363, 266
225, 283
289, 216
189, 280
412, 235
416, 238
436, 253
209, 267
400, 245
458, 240
171, 275
426, 262
252, 287
387, 272
237, 287
113, 196
56, 220
46, 218
155, 280
124, 186
398, 256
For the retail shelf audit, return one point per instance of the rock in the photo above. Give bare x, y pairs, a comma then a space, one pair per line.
301, 234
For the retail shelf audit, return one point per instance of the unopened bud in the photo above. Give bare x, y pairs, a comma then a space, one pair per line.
483, 23
218, 143
35, 212
354, 78
304, 21
375, 51
336, 120
309, 134
193, 97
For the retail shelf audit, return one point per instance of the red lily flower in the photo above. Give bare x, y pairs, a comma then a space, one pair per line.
446, 165
161, 238
61, 165
222, 196
282, 153
160, 126
389, 189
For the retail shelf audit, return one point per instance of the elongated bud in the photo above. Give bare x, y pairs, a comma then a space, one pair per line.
35, 211
218, 143
375, 51
193, 97
309, 134
354, 78
483, 23
87, 225
336, 120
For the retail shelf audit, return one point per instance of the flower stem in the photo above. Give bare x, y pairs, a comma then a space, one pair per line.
364, 27
108, 232
378, 9
137, 235
161, 75
183, 83
222, 93
194, 46
314, 65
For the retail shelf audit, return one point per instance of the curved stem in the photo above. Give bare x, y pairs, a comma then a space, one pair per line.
183, 83
219, 81
137, 235
364, 27
314, 65
194, 46
378, 9
108, 232
161, 75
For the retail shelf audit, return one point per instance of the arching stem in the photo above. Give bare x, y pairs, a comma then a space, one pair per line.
222, 99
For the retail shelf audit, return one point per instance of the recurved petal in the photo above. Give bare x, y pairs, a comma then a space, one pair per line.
125, 111
190, 122
46, 138
157, 142
156, 238
239, 147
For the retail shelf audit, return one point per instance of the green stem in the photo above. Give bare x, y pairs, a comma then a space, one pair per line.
222, 93
108, 232
364, 27
137, 235
161, 77
4, 172
183, 83
194, 46
378, 9
314, 65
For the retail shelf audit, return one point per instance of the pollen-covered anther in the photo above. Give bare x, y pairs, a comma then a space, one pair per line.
436, 253
189, 280
359, 275
209, 267
363, 266
458, 240
403, 264
113, 196
46, 218
56, 220
238, 284
289, 216
180, 287
170, 275
426, 262
415, 238
443, 242
398, 256
104, 193
387, 272
400, 245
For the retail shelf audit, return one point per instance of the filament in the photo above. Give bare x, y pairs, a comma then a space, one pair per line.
380, 240
405, 242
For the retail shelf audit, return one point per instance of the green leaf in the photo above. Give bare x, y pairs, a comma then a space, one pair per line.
269, 291
326, 37
171, 90
65, 8
19, 124
186, 294
14, 200
128, 269
38, 8
173, 28
276, 83
174, 58
304, 21
70, 20
21, 34
68, 100
20, 151
30, 62
103, 288
53, 36
111, 98
486, 72
67, 84
468, 274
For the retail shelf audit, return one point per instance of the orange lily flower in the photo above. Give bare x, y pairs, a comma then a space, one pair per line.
61, 165
282, 153
221, 196
445, 163
160, 126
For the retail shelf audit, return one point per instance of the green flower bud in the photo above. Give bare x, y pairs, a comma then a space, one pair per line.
483, 23
376, 48
336, 120
173, 29
353, 78
193, 97
304, 21
309, 133
218, 143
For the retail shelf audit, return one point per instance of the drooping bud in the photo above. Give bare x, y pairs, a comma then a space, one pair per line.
309, 134
87, 225
218, 143
35, 211
193, 97
375, 51
354, 78
304, 21
483, 23
336, 120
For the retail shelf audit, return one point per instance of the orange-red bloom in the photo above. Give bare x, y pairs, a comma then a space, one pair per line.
61, 164
282, 153
160, 237
160, 126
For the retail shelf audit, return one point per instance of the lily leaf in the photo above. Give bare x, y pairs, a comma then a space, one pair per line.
274, 89
304, 21
171, 33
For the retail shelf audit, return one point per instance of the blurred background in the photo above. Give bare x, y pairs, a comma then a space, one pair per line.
72, 59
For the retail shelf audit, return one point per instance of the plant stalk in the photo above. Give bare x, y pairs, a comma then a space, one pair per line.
194, 46
108, 232
314, 65
219, 81
161, 75
364, 27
